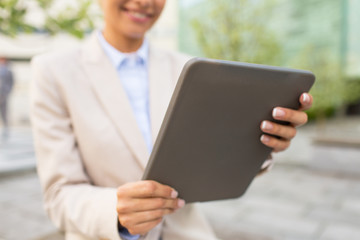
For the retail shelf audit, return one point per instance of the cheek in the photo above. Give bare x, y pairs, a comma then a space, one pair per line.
159, 6
111, 8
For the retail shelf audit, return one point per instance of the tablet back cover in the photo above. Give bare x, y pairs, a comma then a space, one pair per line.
208, 147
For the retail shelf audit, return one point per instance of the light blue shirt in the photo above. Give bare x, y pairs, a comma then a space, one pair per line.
132, 69
133, 74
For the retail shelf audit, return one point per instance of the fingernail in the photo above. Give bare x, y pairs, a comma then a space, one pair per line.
174, 194
278, 112
305, 98
265, 138
266, 125
266, 164
181, 203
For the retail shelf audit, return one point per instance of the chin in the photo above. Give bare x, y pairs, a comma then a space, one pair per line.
136, 34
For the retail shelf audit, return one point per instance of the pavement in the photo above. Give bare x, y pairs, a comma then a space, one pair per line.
17, 152
312, 193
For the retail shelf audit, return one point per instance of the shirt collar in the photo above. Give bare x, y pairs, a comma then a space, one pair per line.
117, 57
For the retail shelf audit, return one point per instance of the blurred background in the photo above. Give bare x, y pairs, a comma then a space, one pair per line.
313, 191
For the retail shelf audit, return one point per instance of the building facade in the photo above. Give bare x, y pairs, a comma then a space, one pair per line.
329, 25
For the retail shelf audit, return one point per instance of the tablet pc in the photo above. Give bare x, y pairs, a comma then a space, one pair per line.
208, 147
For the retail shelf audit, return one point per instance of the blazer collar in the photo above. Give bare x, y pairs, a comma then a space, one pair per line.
108, 89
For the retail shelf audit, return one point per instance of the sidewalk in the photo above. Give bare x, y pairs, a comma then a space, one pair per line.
312, 193
17, 153
22, 215
334, 148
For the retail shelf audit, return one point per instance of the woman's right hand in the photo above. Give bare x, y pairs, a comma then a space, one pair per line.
141, 205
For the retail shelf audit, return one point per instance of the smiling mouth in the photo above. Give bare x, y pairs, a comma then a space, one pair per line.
136, 15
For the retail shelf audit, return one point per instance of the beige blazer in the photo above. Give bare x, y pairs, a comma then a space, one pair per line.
88, 143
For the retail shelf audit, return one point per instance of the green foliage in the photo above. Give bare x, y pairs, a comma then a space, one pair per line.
73, 20
12, 18
352, 90
332, 90
236, 30
329, 88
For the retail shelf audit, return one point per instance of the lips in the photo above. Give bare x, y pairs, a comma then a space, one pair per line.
137, 16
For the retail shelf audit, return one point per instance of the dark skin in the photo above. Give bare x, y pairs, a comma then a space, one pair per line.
142, 205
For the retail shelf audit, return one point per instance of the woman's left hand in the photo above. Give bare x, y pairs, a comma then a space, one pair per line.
285, 132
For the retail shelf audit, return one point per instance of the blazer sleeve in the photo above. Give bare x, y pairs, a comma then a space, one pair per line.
193, 220
72, 203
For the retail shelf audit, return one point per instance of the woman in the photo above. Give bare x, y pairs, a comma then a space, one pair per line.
96, 111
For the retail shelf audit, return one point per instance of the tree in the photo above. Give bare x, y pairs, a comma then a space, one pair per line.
12, 18
329, 90
75, 20
236, 30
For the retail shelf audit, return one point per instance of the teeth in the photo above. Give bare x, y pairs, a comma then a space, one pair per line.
138, 15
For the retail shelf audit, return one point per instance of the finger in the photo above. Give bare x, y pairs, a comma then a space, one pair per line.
283, 131
147, 204
132, 219
146, 189
295, 117
306, 101
143, 228
277, 145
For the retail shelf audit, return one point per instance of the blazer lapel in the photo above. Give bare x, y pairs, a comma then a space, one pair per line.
161, 84
113, 98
